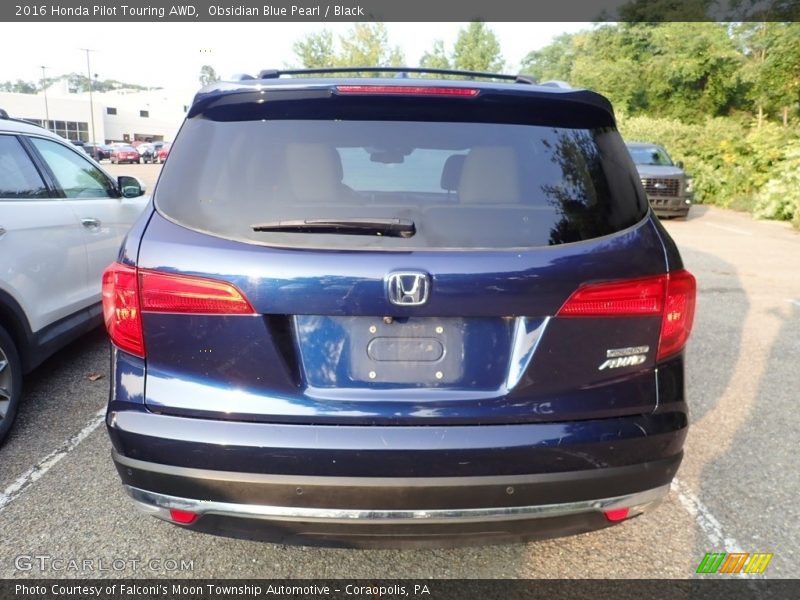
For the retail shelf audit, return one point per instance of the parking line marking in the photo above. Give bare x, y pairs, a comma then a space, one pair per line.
728, 228
705, 519
24, 481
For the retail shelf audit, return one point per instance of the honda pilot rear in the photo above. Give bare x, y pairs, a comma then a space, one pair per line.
397, 311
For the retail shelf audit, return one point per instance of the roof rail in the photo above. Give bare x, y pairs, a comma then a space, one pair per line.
557, 83
6, 117
400, 71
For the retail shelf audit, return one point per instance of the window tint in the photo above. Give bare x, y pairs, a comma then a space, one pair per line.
77, 176
18, 177
464, 185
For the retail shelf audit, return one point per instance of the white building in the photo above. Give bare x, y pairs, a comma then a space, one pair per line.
119, 116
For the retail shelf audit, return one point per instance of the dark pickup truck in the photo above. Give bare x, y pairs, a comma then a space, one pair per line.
668, 187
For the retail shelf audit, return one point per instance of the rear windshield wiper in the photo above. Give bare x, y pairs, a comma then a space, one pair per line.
403, 228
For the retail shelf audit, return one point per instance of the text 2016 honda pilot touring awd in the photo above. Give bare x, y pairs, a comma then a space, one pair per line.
397, 311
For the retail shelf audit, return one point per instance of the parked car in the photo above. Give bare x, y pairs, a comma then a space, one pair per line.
157, 146
97, 151
125, 154
62, 218
400, 312
163, 152
146, 152
668, 187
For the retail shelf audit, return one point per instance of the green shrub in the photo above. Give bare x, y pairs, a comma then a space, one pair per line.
779, 198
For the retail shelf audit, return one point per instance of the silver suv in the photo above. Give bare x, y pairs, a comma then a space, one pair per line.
668, 187
62, 220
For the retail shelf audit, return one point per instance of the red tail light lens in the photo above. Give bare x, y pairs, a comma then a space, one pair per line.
411, 90
672, 296
163, 292
617, 299
121, 309
678, 319
127, 292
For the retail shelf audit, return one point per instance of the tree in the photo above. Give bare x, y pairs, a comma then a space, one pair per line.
77, 82
683, 70
316, 50
693, 71
365, 45
477, 49
771, 66
208, 75
613, 60
554, 61
437, 58
19, 87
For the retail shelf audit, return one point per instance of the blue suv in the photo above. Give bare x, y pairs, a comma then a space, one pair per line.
392, 311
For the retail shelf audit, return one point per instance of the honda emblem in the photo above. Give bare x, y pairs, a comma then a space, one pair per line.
408, 288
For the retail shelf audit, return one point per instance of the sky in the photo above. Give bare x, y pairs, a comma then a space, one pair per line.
170, 54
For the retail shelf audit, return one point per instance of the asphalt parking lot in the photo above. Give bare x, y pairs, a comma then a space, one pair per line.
736, 490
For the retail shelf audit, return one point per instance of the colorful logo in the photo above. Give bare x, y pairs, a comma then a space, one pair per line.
741, 562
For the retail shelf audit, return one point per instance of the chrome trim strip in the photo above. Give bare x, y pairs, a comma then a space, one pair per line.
158, 505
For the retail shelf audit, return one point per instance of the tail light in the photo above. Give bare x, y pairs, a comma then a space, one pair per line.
409, 90
128, 291
164, 292
121, 309
670, 296
676, 324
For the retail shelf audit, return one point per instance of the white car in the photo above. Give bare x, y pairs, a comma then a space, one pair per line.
62, 221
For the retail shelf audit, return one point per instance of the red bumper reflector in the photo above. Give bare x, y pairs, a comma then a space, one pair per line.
184, 517
618, 514
412, 90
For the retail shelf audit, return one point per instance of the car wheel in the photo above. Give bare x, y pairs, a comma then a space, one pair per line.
10, 383
139, 161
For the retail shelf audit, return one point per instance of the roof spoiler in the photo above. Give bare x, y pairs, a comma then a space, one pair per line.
398, 71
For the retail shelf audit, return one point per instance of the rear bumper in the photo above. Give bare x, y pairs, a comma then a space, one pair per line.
672, 206
390, 486
354, 527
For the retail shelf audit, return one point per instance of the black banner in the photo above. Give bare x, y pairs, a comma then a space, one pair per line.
422, 589
406, 10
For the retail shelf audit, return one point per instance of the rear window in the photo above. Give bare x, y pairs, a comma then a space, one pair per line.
463, 185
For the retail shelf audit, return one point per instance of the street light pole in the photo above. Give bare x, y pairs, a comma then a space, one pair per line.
91, 85
46, 108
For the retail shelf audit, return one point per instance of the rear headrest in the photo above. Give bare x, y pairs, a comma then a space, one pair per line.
490, 176
314, 171
451, 173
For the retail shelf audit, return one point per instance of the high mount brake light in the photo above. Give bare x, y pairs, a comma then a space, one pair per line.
127, 292
408, 90
671, 296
